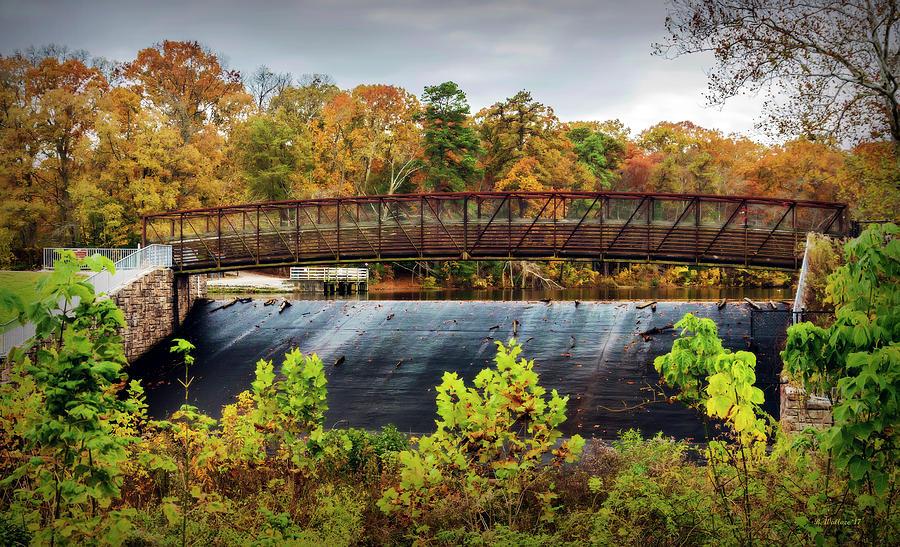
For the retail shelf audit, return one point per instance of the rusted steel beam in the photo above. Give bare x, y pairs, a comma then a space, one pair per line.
441, 237
359, 230
437, 217
627, 222
491, 220
687, 208
315, 226
580, 222
533, 222
240, 236
526, 195
772, 231
722, 229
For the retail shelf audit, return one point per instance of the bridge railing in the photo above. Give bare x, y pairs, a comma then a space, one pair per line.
128, 268
353, 275
132, 267
540, 225
51, 254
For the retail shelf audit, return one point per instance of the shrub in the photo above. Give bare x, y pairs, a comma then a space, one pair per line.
657, 494
488, 447
69, 464
858, 358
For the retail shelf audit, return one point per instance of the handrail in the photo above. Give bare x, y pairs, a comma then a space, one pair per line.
358, 275
51, 254
127, 269
688, 228
131, 267
800, 295
583, 194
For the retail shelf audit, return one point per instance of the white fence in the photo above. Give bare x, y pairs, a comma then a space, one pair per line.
131, 267
128, 268
353, 275
800, 296
51, 254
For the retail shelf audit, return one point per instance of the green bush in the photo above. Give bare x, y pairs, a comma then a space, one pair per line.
487, 453
656, 494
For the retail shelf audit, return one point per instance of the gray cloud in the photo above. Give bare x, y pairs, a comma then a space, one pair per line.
589, 60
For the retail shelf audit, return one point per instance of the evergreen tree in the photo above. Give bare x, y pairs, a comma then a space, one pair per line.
451, 145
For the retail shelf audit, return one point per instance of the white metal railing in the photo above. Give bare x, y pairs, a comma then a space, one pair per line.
128, 268
353, 275
51, 254
800, 295
131, 267
14, 335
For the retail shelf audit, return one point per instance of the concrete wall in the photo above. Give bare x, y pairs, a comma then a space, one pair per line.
799, 411
149, 306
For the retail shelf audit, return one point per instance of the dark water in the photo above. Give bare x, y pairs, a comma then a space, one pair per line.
603, 294
524, 295
396, 351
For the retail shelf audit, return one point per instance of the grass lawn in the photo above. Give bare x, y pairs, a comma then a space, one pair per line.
21, 283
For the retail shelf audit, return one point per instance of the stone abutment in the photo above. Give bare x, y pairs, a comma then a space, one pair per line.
155, 305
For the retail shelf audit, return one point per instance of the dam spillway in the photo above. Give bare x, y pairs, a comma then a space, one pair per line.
395, 352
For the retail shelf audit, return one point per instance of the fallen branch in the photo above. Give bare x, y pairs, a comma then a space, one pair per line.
226, 305
657, 330
645, 305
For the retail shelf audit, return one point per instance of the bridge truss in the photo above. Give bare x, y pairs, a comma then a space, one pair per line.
613, 226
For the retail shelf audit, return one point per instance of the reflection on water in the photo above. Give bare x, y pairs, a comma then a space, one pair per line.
586, 294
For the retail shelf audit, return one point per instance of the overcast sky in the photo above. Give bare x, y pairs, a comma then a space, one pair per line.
589, 60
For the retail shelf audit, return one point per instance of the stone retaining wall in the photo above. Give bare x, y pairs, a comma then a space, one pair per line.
149, 307
799, 411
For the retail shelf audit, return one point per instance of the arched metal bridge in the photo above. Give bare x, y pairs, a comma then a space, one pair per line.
611, 226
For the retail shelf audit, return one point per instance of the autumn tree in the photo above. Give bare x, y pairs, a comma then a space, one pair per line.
302, 104
798, 169
63, 97
21, 209
273, 158
188, 83
600, 152
869, 181
636, 169
264, 84
520, 127
688, 158
140, 166
451, 145
368, 140
829, 67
